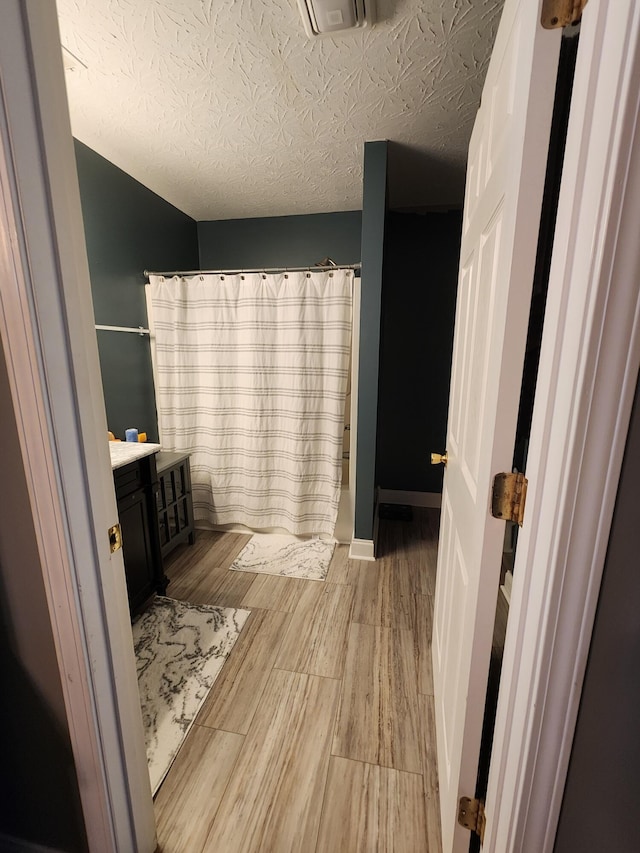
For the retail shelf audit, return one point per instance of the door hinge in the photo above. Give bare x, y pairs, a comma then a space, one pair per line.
115, 538
561, 13
508, 497
472, 816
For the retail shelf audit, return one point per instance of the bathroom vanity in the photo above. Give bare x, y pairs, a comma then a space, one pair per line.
136, 483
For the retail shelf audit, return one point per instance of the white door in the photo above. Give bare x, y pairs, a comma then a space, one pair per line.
505, 177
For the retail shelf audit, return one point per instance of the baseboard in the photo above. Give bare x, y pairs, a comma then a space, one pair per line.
432, 500
506, 586
362, 549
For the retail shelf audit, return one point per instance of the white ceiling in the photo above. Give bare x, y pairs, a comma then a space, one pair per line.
228, 110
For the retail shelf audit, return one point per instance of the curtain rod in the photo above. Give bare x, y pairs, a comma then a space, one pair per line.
139, 330
318, 268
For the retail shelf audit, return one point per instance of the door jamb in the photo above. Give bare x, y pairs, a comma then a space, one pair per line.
587, 379
46, 325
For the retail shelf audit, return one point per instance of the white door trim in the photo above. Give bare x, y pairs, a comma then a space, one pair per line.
46, 323
31, 414
587, 379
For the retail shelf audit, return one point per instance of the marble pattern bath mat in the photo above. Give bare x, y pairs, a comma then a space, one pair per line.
180, 649
289, 556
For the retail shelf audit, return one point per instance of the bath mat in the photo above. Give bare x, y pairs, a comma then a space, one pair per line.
288, 556
180, 649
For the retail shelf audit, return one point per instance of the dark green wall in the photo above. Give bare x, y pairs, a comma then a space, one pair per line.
374, 206
280, 241
418, 312
128, 229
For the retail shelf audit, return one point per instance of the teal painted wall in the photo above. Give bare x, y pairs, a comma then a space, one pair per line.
280, 241
418, 312
128, 229
373, 235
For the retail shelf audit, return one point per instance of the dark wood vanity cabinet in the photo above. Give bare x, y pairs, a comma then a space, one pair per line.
174, 505
136, 486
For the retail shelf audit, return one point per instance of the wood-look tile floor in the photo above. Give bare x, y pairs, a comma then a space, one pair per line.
318, 734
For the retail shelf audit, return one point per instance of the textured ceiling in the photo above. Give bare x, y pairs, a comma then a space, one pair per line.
228, 110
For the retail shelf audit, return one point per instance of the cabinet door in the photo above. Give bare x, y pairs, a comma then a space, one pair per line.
174, 506
137, 548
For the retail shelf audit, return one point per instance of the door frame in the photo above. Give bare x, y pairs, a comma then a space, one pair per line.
578, 446
46, 330
586, 383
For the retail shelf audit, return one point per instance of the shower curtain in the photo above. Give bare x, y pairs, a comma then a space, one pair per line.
251, 374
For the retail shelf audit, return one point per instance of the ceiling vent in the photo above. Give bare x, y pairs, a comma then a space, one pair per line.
329, 17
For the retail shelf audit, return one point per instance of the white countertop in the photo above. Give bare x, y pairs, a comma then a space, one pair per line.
123, 452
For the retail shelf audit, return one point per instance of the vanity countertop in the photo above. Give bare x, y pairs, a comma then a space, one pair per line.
123, 452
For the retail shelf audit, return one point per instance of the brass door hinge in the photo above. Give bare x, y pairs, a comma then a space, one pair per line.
471, 815
115, 538
508, 497
561, 13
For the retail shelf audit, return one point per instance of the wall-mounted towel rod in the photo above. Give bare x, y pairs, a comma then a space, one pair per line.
262, 270
139, 330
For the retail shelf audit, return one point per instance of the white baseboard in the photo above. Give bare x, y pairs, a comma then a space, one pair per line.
362, 549
506, 586
432, 500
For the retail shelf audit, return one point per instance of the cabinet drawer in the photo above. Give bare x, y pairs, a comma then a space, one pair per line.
127, 479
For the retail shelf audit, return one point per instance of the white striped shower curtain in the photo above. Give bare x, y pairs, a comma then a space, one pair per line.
251, 375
